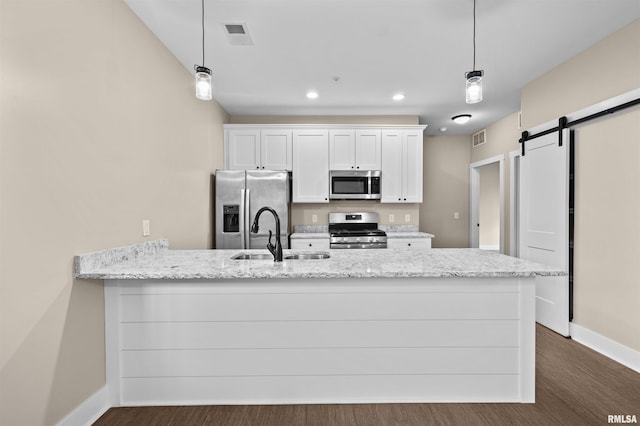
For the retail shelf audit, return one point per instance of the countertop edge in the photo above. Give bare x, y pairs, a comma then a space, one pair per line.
109, 257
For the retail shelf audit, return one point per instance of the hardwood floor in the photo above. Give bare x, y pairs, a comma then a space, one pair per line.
574, 386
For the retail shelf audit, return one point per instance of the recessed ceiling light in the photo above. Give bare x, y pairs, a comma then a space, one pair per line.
443, 129
312, 95
461, 119
398, 97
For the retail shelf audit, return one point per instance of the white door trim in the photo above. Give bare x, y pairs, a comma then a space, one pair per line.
514, 183
474, 201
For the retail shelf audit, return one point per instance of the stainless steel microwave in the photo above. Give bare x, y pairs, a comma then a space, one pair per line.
354, 184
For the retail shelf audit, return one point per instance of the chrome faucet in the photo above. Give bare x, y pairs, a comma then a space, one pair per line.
276, 250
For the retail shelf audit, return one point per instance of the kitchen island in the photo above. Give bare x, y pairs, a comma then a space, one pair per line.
362, 326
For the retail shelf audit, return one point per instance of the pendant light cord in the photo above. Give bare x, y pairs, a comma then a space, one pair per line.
474, 35
203, 33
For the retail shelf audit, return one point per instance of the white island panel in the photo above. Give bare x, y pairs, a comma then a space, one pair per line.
321, 340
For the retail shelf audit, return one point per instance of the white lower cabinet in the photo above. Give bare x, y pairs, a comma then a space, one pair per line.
310, 243
416, 243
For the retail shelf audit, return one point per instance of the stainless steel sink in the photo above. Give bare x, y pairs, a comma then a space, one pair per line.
304, 256
252, 256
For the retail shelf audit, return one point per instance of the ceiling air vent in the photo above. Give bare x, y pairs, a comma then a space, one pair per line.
479, 138
237, 34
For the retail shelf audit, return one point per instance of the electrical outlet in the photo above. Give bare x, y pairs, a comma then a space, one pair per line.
392, 218
456, 215
146, 227
407, 217
314, 218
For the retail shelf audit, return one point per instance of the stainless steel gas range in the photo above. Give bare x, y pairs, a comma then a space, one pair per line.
355, 231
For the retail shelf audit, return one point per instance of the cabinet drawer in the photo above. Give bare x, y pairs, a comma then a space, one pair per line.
310, 243
408, 243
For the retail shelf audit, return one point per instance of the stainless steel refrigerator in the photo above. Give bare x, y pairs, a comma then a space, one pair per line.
239, 195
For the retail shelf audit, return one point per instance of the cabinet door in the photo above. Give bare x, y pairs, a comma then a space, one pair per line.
412, 165
368, 149
242, 149
342, 149
276, 149
310, 166
391, 191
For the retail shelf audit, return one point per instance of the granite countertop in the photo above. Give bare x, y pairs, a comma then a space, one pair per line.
155, 261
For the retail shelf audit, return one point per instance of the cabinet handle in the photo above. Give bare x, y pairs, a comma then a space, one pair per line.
357, 167
405, 199
310, 245
409, 244
352, 167
257, 167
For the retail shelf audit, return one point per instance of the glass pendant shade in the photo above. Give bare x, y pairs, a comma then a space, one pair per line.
203, 84
474, 86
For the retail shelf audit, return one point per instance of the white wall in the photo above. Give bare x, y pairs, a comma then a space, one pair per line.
446, 190
90, 146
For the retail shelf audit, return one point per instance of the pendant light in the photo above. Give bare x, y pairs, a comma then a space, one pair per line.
474, 78
203, 74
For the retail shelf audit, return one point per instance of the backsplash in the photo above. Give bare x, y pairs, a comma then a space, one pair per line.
304, 214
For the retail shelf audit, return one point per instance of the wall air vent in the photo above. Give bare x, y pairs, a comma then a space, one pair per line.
237, 34
479, 138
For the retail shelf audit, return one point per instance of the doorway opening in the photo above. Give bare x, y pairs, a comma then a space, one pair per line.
486, 225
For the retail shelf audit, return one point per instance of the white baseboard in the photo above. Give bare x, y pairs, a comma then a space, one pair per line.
89, 411
607, 347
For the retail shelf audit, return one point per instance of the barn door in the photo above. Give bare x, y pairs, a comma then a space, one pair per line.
544, 223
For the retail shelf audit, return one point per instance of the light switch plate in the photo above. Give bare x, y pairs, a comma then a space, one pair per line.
146, 227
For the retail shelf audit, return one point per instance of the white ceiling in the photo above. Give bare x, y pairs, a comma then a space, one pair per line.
377, 48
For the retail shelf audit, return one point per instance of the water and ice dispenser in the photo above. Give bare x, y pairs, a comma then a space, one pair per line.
231, 218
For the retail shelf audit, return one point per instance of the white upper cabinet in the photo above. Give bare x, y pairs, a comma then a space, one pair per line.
310, 166
242, 149
401, 166
310, 151
368, 149
254, 148
342, 149
276, 149
355, 149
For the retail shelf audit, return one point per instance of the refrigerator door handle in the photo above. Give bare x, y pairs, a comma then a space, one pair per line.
242, 219
247, 225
